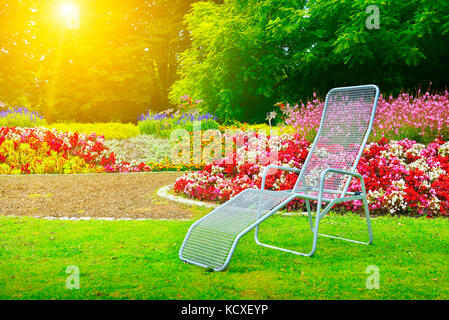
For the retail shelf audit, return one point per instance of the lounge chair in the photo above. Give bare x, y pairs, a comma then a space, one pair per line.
346, 123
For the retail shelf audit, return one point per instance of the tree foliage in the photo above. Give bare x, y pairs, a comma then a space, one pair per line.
246, 55
239, 56
121, 61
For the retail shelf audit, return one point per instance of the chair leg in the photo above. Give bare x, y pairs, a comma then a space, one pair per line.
368, 222
319, 215
309, 214
314, 231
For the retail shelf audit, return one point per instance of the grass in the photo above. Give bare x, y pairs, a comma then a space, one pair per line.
139, 260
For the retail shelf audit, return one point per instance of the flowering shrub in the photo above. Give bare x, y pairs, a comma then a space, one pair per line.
20, 117
421, 118
401, 177
40, 150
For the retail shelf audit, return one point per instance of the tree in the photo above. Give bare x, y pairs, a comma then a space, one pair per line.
120, 62
234, 63
246, 55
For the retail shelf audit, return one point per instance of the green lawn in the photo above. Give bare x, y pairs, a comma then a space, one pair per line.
139, 260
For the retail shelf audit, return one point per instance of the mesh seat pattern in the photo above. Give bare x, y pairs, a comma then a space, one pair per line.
345, 122
210, 240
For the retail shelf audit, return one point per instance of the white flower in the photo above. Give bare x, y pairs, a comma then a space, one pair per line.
271, 115
444, 149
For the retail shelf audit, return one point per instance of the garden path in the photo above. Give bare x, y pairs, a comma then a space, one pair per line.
130, 195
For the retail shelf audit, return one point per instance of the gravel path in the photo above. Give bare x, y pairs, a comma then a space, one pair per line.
90, 195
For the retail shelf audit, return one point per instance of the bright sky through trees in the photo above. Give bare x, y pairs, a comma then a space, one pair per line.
70, 12
90, 60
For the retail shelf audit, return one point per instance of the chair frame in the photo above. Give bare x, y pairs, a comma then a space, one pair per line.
343, 198
320, 214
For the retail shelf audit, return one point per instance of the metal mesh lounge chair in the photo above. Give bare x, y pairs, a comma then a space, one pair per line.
346, 123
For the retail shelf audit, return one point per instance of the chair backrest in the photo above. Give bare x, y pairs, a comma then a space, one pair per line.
346, 123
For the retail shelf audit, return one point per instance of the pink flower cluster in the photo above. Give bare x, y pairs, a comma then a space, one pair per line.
402, 177
422, 118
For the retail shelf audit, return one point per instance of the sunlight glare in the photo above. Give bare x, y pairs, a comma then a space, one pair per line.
67, 9
70, 13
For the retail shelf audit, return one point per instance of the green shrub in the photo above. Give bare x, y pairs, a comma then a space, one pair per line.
162, 125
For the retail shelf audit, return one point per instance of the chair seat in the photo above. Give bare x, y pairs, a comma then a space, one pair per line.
312, 194
210, 240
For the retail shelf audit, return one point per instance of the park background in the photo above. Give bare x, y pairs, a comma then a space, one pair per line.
91, 92
238, 57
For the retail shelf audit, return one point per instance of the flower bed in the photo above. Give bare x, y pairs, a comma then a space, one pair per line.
421, 118
402, 177
40, 150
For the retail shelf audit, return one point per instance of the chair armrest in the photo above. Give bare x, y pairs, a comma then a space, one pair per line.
272, 166
349, 173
